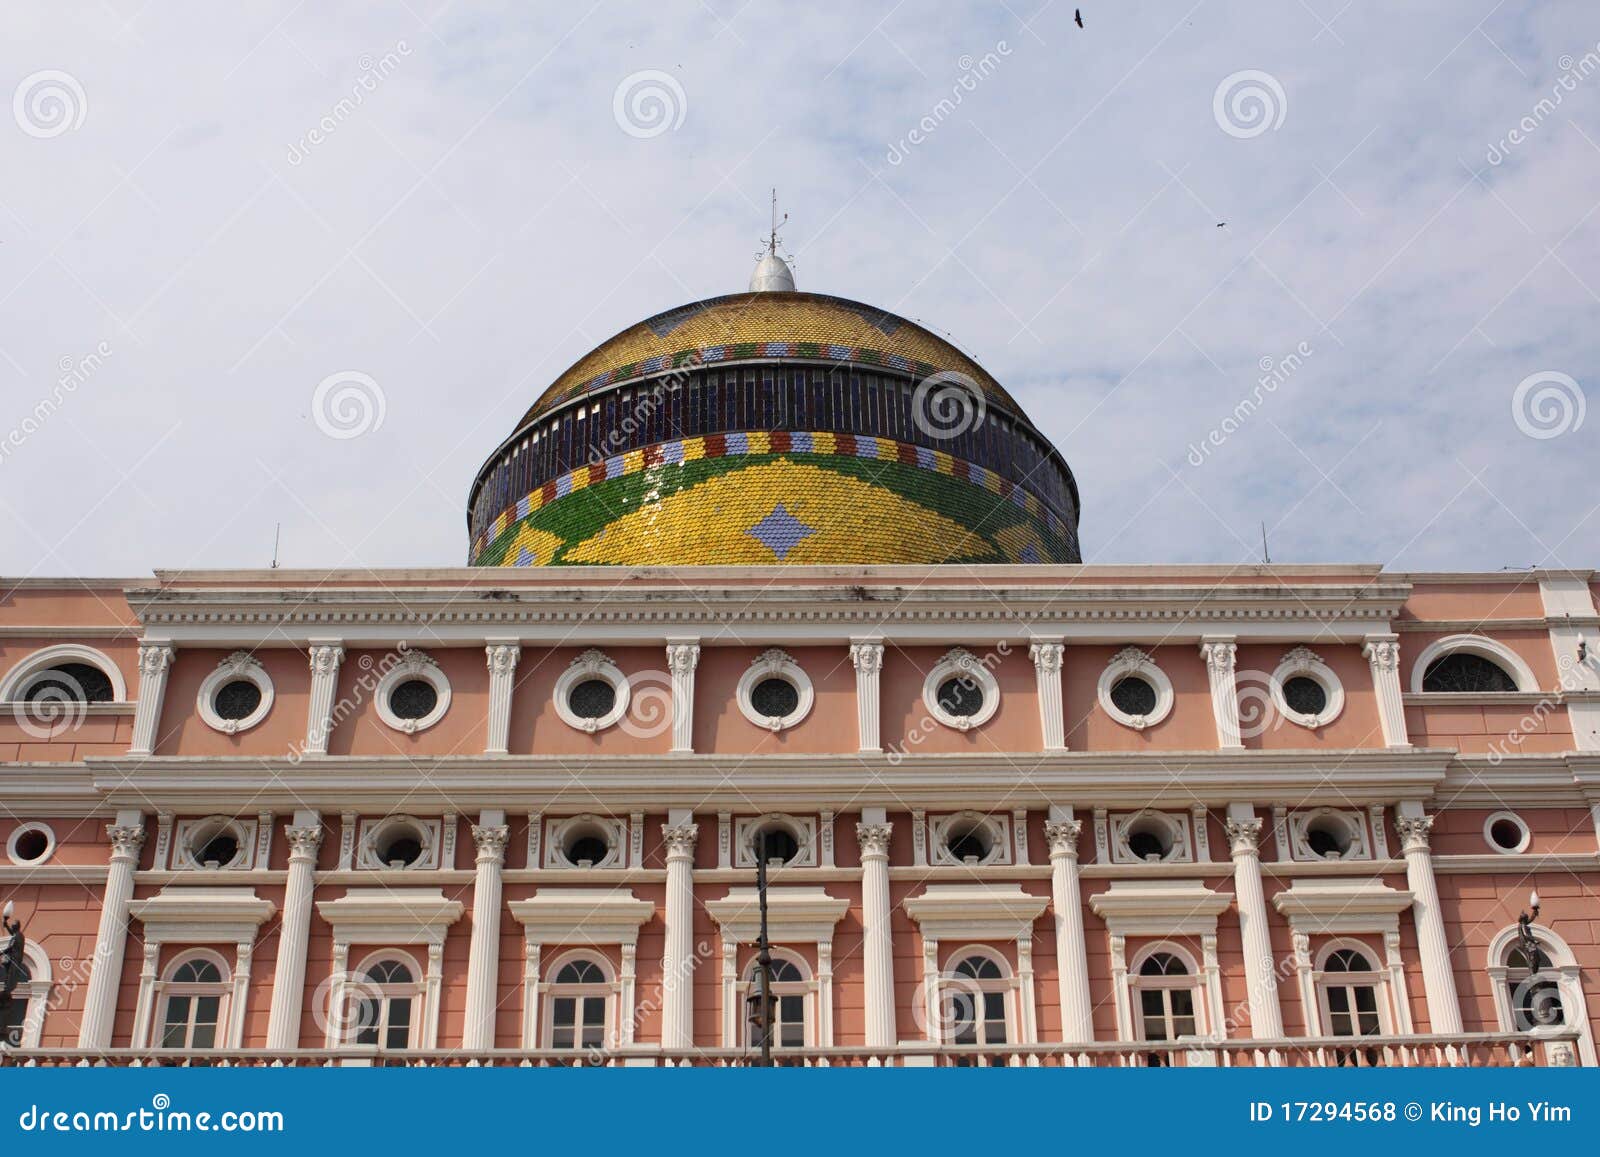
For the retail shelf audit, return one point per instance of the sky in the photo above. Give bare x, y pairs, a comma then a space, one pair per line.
1324, 267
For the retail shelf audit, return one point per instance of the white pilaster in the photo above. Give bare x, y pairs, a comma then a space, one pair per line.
1243, 828
111, 939
304, 834
1438, 980
1046, 656
502, 656
1383, 656
155, 659
872, 834
1220, 654
483, 954
683, 656
1061, 832
867, 657
325, 655
1564, 599
677, 963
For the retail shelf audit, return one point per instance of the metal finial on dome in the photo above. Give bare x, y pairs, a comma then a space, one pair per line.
772, 273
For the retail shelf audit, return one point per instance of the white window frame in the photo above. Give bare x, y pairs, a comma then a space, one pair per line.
775, 664
1302, 662
415, 665
802, 828
1196, 987
1133, 661
805, 987
372, 832
167, 988
592, 664
1375, 977
998, 828
1006, 986
960, 663
1563, 971
241, 665
186, 834
1300, 822
1512, 817
23, 829
360, 988
552, 990
613, 830
1180, 839
1485, 648
36, 662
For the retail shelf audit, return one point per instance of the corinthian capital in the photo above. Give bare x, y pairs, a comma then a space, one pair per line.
873, 839
126, 839
1413, 832
1062, 836
680, 839
304, 842
491, 841
1244, 836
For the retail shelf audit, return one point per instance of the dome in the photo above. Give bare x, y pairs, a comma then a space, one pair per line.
780, 428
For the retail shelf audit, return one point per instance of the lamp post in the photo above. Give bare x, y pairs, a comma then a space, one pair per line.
11, 963
761, 1000
1529, 944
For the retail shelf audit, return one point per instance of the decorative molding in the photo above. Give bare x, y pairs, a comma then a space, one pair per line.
1481, 645
683, 657
1046, 656
803, 829
873, 839
1131, 661
415, 665
996, 831
324, 656
1062, 836
501, 658
241, 666
609, 830
1305, 663
373, 832
1413, 832
866, 655
1346, 822
960, 663
1221, 656
774, 663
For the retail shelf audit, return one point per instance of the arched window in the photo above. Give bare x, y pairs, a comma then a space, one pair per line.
791, 1000
67, 672
194, 1001
1351, 992
578, 1005
1471, 665
1166, 995
974, 999
385, 1002
23, 1021
1467, 673
1547, 998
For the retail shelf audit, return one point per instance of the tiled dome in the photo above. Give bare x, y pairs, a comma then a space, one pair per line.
780, 428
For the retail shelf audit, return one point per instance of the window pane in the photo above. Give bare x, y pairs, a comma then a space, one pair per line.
1183, 1002
994, 1006
400, 1011
594, 1010
1150, 1002
561, 1038
1339, 999
204, 1037
206, 1008
565, 1011
1366, 998
1183, 1026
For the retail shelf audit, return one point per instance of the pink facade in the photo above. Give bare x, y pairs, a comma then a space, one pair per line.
1149, 814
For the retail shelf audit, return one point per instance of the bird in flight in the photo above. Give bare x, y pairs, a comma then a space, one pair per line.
1077, 17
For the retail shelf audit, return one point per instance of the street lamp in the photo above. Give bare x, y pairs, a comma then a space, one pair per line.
761, 1000
11, 960
1531, 951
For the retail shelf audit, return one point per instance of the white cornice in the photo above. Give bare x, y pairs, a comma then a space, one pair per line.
1160, 908
391, 915
1334, 906
974, 911
795, 914
581, 916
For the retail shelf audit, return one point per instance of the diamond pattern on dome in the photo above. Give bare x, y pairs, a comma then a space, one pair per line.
780, 532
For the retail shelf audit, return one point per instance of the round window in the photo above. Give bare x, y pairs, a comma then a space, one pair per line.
774, 698
961, 697
218, 850
1507, 833
592, 699
400, 847
30, 845
1327, 838
237, 699
1305, 695
1134, 696
969, 843
586, 850
777, 843
413, 699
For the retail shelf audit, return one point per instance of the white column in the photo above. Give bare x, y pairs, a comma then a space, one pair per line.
1383, 656
105, 972
502, 657
1438, 981
1564, 599
1220, 654
325, 657
483, 956
1243, 828
677, 963
867, 657
1046, 658
154, 661
683, 656
878, 940
1072, 953
294, 933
